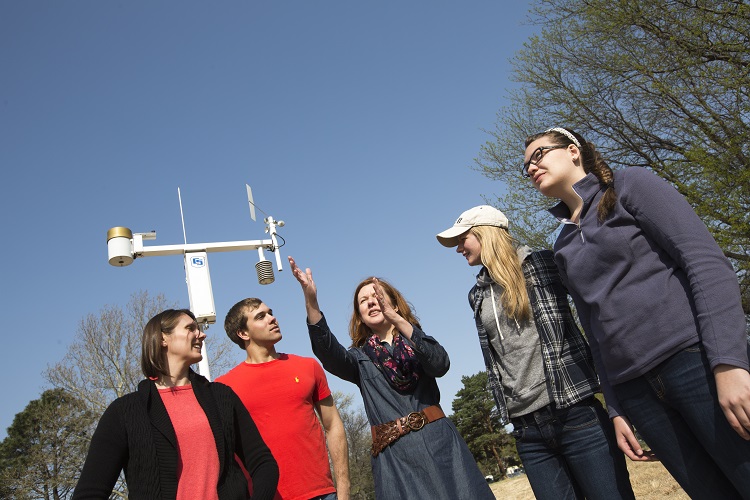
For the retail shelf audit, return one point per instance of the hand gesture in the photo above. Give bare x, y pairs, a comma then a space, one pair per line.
733, 388
304, 277
390, 313
309, 290
385, 306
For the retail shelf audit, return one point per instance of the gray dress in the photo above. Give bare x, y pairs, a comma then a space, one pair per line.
433, 463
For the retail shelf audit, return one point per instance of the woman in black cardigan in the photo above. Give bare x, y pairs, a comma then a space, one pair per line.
176, 437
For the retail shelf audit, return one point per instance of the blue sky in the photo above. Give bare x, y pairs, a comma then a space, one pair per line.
356, 123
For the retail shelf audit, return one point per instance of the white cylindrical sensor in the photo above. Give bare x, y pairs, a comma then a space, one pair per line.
120, 246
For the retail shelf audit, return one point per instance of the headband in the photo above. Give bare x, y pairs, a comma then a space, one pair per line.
565, 133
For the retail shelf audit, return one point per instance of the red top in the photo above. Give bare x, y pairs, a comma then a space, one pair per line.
198, 459
280, 396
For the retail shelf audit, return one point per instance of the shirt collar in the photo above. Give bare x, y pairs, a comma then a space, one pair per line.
587, 188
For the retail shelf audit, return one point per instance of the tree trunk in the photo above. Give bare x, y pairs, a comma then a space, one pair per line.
499, 461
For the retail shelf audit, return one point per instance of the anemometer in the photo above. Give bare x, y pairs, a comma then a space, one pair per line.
124, 246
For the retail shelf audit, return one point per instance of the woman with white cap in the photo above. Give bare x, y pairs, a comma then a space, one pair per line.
539, 365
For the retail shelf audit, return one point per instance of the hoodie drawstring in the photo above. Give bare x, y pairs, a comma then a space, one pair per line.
494, 310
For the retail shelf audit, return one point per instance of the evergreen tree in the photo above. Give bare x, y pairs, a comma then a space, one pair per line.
45, 448
477, 419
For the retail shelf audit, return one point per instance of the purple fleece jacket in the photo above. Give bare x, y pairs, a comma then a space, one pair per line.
649, 281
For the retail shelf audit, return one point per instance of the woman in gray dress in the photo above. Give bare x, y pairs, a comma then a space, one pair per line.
417, 453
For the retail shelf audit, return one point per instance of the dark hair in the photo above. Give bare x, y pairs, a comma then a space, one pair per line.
236, 319
358, 331
592, 163
153, 354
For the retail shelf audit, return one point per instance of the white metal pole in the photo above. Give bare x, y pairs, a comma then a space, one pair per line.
203, 367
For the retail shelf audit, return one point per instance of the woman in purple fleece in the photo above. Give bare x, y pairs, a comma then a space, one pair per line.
661, 307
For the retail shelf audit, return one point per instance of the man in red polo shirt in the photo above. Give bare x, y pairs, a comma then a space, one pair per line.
285, 394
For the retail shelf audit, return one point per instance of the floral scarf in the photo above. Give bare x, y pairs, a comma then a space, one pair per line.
401, 369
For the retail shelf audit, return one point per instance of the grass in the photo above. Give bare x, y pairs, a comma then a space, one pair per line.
650, 481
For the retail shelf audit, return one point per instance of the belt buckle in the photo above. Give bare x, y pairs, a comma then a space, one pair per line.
416, 420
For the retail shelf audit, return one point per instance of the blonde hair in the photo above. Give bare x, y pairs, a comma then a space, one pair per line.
499, 256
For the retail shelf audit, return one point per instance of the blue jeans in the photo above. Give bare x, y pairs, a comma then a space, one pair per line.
676, 410
328, 496
571, 453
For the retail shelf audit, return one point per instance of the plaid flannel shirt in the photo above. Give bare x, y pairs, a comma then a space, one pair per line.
566, 355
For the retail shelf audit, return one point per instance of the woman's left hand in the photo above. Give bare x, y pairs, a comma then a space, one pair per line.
389, 312
385, 305
733, 388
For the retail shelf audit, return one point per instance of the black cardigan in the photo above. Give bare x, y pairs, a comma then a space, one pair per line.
135, 434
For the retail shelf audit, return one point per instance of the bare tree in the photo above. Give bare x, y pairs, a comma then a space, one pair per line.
104, 360
359, 439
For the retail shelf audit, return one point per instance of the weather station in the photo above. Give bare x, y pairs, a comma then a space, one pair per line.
124, 246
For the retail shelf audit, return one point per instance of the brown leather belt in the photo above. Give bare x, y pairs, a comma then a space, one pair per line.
385, 434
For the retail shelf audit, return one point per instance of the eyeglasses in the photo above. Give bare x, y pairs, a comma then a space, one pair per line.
537, 156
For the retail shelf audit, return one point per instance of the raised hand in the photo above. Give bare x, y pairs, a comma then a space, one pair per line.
304, 277
390, 312
309, 290
385, 305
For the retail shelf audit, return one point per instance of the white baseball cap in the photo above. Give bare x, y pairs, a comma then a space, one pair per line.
483, 215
